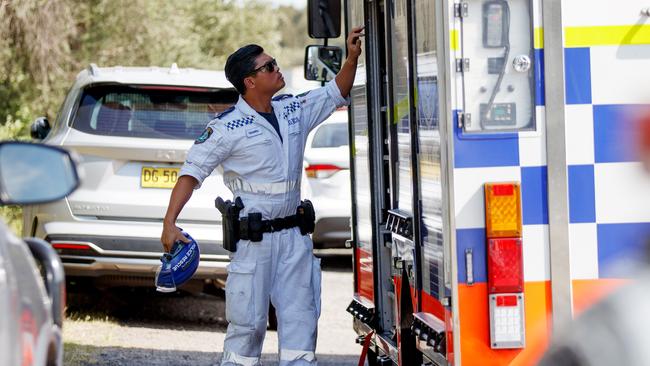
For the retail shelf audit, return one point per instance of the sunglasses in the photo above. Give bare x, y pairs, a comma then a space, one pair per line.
267, 67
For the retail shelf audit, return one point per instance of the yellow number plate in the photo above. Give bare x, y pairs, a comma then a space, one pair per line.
158, 177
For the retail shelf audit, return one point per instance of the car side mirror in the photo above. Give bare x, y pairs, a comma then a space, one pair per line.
33, 173
322, 63
324, 18
40, 128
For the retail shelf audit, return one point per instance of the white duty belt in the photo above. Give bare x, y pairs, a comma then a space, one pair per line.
241, 185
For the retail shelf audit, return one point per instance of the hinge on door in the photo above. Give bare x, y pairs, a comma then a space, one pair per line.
445, 301
461, 10
462, 65
387, 237
464, 119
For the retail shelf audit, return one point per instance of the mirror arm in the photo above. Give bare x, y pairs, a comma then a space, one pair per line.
322, 83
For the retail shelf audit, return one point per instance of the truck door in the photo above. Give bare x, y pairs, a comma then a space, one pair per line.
434, 316
400, 221
370, 306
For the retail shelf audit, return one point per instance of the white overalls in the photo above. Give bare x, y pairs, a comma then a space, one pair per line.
265, 172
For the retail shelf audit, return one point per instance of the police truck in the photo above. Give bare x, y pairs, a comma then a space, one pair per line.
496, 190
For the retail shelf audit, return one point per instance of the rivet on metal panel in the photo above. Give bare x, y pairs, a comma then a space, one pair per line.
462, 65
461, 10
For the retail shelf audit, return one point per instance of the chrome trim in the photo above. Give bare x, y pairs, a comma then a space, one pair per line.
386, 347
124, 253
558, 206
424, 344
216, 221
431, 321
365, 303
446, 11
130, 265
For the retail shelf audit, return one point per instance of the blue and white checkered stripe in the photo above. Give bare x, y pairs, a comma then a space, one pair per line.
232, 125
609, 193
290, 108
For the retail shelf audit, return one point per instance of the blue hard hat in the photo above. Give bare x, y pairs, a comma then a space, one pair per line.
177, 266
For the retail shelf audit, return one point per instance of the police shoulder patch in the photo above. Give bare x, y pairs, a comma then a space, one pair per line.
204, 136
281, 97
224, 113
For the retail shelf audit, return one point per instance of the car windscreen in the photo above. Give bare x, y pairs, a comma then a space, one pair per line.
150, 111
331, 135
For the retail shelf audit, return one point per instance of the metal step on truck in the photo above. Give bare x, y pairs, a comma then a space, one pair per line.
496, 191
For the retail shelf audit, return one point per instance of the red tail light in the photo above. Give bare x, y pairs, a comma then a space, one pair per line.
71, 246
321, 170
505, 267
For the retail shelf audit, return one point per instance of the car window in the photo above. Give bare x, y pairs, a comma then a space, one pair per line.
150, 111
331, 135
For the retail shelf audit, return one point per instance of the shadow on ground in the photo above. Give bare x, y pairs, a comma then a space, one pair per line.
146, 307
80, 355
142, 305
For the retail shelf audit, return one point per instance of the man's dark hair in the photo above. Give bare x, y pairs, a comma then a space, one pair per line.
240, 64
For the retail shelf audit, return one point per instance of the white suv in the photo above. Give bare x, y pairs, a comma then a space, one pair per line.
131, 128
327, 166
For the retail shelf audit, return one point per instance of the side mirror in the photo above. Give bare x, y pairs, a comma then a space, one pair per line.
40, 128
33, 173
324, 18
322, 63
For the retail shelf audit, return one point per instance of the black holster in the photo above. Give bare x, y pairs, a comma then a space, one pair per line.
229, 221
306, 217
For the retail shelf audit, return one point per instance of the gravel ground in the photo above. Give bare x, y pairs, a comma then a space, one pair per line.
140, 327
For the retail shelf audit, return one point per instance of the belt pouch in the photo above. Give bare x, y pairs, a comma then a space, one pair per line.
306, 217
255, 227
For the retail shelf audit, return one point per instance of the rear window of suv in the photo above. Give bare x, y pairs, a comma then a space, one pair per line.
150, 111
331, 135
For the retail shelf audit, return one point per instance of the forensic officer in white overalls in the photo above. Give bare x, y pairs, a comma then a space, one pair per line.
260, 144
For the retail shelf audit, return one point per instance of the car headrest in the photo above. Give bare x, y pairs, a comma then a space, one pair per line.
113, 117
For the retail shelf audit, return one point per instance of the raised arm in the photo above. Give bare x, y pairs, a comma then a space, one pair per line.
345, 77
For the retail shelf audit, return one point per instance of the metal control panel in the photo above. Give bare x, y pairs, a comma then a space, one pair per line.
496, 70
